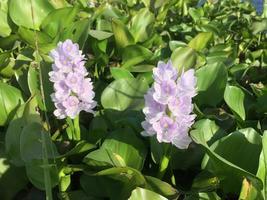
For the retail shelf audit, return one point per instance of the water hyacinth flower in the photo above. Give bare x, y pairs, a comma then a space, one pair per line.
168, 105
73, 91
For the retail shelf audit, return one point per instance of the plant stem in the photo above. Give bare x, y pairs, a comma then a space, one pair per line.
77, 131
47, 178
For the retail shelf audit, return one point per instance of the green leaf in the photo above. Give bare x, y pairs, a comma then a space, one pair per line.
262, 170
78, 32
259, 26
10, 99
100, 35
124, 94
249, 191
5, 29
81, 147
4, 60
132, 152
12, 179
122, 35
140, 193
200, 41
141, 25
21, 12
235, 98
58, 20
203, 196
35, 172
34, 85
135, 54
118, 73
32, 140
225, 157
141, 68
205, 181
118, 151
184, 58
29, 37
211, 83
161, 187
15, 128
100, 159
106, 183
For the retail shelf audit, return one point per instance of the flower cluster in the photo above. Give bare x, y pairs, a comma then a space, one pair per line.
73, 91
168, 105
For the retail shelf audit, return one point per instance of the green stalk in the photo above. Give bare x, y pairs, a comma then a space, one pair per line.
77, 131
47, 178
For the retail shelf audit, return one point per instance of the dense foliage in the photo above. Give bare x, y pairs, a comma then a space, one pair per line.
103, 155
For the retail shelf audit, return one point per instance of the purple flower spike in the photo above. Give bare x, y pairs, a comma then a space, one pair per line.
73, 91
168, 105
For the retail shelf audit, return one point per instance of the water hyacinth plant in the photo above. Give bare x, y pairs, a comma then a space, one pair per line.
168, 105
133, 99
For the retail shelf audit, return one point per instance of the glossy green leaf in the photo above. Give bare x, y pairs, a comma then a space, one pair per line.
5, 29
118, 151
211, 83
140, 193
141, 25
10, 99
225, 157
29, 37
122, 35
200, 41
106, 183
119, 73
58, 20
161, 187
78, 32
235, 99
29, 13
100, 35
81, 147
124, 94
184, 58
135, 54
15, 128
131, 153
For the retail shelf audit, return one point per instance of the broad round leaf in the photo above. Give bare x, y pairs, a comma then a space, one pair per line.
21, 12
131, 152
38, 173
211, 82
33, 141
58, 19
114, 183
233, 148
125, 94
